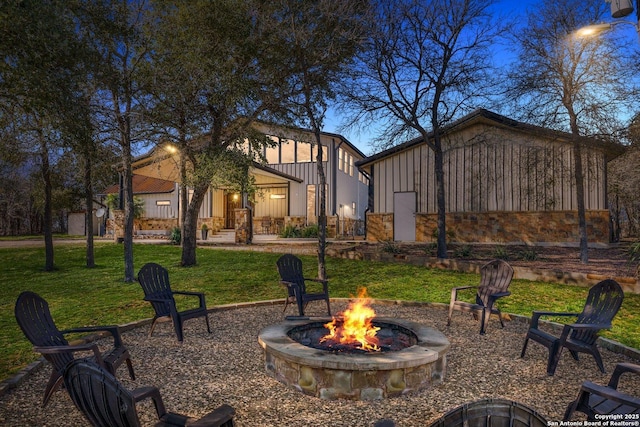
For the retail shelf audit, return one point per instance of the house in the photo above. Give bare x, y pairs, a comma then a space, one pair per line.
505, 182
287, 186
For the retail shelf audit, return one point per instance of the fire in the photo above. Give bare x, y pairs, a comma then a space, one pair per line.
355, 325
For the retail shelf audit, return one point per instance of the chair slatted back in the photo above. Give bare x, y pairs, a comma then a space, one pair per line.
154, 280
495, 276
34, 318
290, 269
99, 396
603, 302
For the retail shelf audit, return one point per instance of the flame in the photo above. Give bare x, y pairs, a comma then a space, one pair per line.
355, 326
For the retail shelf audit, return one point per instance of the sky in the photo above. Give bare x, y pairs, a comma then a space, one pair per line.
507, 8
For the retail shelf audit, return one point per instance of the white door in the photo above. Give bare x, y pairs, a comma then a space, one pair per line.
404, 216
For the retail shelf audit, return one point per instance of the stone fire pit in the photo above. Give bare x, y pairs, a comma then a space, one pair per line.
356, 376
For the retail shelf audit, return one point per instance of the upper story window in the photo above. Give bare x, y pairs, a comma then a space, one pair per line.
303, 150
287, 151
341, 154
290, 151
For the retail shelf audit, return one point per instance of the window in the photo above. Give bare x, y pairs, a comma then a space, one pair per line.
287, 151
340, 158
163, 202
272, 154
350, 165
304, 152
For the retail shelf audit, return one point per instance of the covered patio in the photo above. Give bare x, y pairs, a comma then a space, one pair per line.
227, 366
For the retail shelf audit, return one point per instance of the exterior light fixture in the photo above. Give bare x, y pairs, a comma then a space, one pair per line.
277, 196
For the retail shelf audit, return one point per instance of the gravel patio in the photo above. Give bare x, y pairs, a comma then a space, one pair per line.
226, 366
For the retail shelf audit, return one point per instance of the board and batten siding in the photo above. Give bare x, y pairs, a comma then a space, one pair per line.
497, 171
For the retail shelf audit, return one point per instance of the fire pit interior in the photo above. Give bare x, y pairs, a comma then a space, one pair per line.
390, 358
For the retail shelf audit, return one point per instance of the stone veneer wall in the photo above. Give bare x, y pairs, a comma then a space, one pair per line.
301, 221
156, 225
244, 232
499, 227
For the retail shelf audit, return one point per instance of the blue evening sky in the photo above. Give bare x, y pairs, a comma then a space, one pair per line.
506, 8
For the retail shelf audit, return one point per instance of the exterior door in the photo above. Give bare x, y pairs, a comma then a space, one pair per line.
233, 203
404, 217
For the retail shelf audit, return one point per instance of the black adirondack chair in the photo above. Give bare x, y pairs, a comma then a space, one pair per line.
154, 280
602, 304
491, 413
291, 276
495, 278
594, 399
106, 403
34, 318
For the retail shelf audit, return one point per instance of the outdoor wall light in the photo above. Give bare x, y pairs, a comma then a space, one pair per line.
277, 196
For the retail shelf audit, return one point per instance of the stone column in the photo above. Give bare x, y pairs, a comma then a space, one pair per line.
118, 225
243, 226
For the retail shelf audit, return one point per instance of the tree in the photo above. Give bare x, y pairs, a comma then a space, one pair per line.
39, 76
569, 83
425, 64
317, 42
209, 78
114, 29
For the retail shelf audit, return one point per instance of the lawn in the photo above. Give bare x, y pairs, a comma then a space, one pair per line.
80, 296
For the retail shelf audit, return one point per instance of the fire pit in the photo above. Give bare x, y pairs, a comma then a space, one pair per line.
409, 357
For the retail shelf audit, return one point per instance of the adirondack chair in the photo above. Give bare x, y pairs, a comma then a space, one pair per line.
106, 403
495, 278
34, 318
291, 276
491, 413
594, 399
602, 304
154, 280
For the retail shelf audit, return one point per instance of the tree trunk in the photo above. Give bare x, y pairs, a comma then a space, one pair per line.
582, 221
440, 198
190, 226
129, 275
48, 219
322, 215
88, 194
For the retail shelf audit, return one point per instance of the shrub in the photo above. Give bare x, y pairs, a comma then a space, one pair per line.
634, 252
390, 247
501, 252
176, 236
529, 255
290, 231
310, 231
430, 249
464, 251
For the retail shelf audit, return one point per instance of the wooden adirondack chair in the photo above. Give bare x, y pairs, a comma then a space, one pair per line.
495, 278
106, 403
291, 276
594, 399
602, 304
154, 280
34, 318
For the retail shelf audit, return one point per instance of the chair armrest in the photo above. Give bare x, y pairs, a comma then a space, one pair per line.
454, 292
200, 296
316, 280
114, 330
56, 349
609, 393
218, 417
535, 316
620, 369
149, 392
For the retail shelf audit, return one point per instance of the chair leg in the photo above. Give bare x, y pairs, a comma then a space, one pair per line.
328, 307
130, 368
524, 346
206, 319
450, 313
555, 351
484, 320
570, 410
177, 325
153, 325
55, 382
596, 355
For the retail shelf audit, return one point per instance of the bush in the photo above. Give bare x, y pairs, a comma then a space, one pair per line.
529, 255
176, 236
634, 252
310, 231
500, 252
390, 247
464, 251
290, 231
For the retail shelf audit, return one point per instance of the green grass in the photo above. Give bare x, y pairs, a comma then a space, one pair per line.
80, 296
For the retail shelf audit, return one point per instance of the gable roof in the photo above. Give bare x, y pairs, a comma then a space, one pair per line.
145, 185
482, 115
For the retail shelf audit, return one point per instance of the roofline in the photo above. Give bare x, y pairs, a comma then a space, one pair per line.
276, 172
480, 114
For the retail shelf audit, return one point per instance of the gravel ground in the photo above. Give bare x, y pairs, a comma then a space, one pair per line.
226, 366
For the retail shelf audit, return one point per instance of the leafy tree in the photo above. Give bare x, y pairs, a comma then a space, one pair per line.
570, 83
317, 42
425, 63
